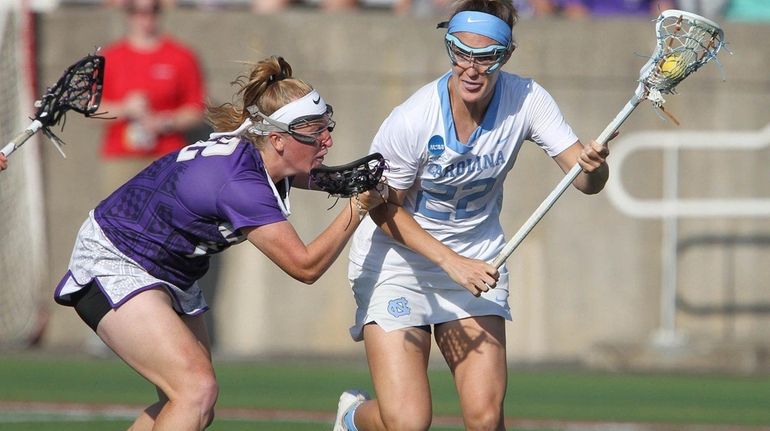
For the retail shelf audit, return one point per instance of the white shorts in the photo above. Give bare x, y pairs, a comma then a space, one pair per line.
119, 277
396, 300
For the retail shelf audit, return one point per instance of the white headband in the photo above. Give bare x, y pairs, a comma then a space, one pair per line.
310, 104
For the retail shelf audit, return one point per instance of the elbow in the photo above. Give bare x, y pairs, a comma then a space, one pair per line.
595, 182
592, 191
307, 269
308, 276
309, 280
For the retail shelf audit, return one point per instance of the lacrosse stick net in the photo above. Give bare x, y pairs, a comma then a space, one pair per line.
350, 179
685, 42
79, 89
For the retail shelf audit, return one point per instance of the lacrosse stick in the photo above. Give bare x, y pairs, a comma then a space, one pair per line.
78, 89
685, 43
350, 179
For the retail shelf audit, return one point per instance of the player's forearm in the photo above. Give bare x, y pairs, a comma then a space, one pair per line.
592, 182
326, 248
395, 221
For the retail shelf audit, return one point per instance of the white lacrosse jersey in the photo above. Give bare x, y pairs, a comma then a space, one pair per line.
455, 189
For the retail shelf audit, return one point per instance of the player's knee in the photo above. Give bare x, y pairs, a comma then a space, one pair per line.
200, 392
488, 418
208, 418
207, 391
207, 394
408, 420
405, 424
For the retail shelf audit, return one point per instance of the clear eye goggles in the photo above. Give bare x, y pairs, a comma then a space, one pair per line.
312, 127
487, 59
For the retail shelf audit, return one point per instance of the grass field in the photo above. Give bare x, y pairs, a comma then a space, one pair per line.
48, 393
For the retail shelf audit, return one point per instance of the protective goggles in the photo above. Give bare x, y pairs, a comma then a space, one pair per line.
487, 59
321, 123
307, 129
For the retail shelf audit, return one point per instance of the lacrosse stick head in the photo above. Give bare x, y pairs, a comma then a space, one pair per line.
79, 89
352, 178
685, 42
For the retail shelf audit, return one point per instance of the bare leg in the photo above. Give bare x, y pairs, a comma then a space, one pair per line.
474, 349
398, 362
146, 419
170, 351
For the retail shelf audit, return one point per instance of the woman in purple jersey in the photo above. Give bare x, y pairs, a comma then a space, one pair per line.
132, 275
419, 266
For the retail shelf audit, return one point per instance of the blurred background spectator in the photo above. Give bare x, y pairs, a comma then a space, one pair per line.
712, 9
268, 6
536, 8
586, 8
273, 6
421, 7
748, 10
153, 87
541, 8
738, 10
440, 8
127, 3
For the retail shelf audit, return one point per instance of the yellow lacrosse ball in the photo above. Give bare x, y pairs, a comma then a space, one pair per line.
672, 66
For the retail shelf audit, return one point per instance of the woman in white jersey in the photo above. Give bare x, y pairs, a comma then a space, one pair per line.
420, 265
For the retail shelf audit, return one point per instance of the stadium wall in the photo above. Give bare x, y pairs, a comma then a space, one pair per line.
588, 276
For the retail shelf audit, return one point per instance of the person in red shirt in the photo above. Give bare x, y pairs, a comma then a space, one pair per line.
153, 87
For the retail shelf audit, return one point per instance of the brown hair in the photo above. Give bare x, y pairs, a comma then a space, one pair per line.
154, 6
503, 9
269, 85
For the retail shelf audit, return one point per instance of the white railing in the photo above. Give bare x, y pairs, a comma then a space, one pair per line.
670, 208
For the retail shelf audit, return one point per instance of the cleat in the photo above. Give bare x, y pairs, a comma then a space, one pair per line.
349, 399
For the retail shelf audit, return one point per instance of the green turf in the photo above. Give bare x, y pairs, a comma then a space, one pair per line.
559, 395
223, 425
120, 425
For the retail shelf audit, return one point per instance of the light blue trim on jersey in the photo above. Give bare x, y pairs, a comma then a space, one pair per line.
450, 134
483, 24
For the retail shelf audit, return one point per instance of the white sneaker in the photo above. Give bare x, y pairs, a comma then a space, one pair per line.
349, 399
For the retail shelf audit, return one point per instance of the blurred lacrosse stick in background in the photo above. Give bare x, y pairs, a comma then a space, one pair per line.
78, 89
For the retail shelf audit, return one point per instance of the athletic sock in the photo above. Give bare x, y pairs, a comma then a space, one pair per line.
348, 418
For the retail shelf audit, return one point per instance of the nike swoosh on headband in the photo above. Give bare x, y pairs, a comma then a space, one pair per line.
481, 23
317, 101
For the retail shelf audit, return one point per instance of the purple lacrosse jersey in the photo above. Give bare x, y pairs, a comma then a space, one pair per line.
172, 216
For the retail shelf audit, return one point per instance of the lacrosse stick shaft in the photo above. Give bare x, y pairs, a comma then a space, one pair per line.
21, 138
560, 188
